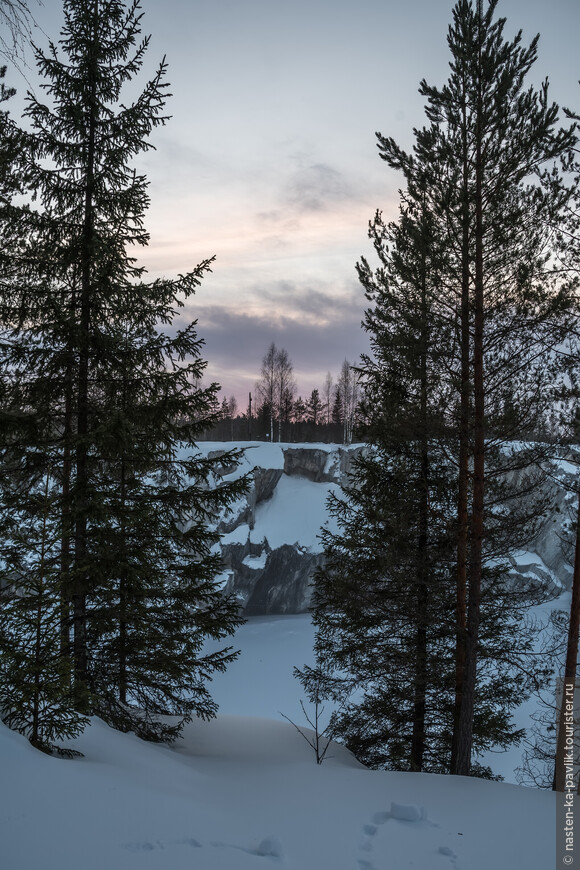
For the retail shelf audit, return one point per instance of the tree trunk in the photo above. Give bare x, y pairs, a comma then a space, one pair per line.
123, 615
40, 607
82, 572
465, 736
65, 547
463, 461
422, 603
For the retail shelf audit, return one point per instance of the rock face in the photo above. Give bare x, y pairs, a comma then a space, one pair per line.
318, 464
270, 546
283, 586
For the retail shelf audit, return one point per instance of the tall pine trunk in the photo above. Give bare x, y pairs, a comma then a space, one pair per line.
463, 458
35, 737
123, 593
465, 736
418, 738
66, 520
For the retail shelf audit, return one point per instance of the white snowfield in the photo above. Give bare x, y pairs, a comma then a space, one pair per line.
243, 792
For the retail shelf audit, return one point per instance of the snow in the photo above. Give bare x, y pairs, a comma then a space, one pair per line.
256, 562
260, 682
243, 792
238, 792
293, 513
567, 467
407, 812
259, 453
238, 536
506, 762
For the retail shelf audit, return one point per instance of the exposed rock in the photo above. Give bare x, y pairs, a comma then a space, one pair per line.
223, 469
552, 544
305, 462
284, 584
321, 465
265, 580
278, 580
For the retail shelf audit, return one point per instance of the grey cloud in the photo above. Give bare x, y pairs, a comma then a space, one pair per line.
273, 216
235, 341
322, 303
317, 187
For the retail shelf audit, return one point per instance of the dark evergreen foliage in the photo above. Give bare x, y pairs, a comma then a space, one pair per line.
466, 315
105, 378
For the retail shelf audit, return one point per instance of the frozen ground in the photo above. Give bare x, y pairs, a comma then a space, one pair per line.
243, 792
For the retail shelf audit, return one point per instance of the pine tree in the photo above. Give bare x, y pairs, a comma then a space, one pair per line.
299, 412
109, 385
492, 136
314, 408
569, 244
478, 348
499, 135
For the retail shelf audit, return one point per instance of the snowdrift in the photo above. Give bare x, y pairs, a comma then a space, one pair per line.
245, 794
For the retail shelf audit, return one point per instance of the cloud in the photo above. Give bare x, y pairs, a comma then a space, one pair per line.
312, 303
317, 187
318, 326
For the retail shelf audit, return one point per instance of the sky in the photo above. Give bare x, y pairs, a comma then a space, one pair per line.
269, 162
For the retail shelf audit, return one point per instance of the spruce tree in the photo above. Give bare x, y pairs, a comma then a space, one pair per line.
381, 600
36, 697
109, 384
147, 625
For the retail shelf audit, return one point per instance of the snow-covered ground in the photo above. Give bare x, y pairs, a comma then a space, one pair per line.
243, 792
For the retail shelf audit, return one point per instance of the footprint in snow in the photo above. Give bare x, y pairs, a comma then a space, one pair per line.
144, 847
269, 847
369, 832
401, 812
158, 844
449, 853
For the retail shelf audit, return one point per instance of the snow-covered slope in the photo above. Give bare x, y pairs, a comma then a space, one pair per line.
246, 794
243, 792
